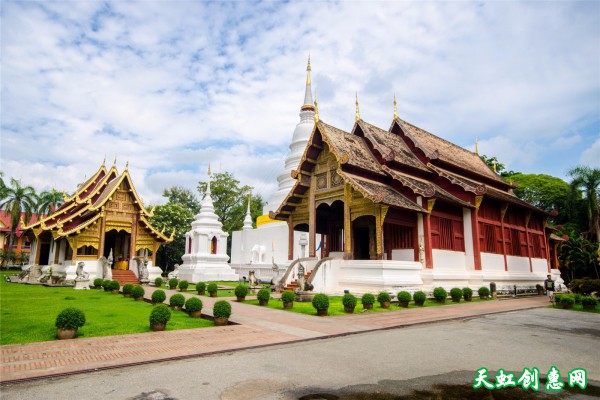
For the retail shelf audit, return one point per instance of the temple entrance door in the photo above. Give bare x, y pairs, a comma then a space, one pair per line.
118, 242
44, 253
363, 230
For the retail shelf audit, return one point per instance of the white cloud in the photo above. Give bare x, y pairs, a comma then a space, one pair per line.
591, 156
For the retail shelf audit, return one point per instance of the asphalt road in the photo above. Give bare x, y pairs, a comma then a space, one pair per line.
392, 363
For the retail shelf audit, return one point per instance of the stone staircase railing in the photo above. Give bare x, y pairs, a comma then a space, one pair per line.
284, 279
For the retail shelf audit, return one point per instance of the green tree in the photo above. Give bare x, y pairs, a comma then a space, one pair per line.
587, 180
48, 201
169, 216
17, 199
230, 201
579, 258
184, 197
496, 166
2, 186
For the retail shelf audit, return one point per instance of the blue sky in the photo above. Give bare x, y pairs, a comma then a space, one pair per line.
170, 86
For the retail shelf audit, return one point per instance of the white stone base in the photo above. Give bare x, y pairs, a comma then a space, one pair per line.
83, 284
264, 272
207, 272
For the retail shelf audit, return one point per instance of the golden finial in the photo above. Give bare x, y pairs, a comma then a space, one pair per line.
476, 146
104, 162
316, 108
115, 162
308, 71
357, 110
494, 162
127, 164
209, 168
395, 108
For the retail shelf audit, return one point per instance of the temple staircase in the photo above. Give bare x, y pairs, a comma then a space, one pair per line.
125, 276
292, 286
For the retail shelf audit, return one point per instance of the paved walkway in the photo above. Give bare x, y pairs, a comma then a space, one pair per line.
257, 326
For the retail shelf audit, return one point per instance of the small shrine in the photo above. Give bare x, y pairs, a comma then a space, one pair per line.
205, 257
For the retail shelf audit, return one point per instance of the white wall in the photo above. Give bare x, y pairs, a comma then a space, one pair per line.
540, 265
492, 262
518, 264
449, 260
403, 254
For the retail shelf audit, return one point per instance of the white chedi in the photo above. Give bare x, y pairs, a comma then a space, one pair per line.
205, 257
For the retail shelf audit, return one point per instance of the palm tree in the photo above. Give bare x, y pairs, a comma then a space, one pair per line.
18, 199
587, 180
2, 186
48, 202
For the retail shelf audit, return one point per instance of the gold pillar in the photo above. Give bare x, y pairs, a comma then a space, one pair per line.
102, 238
291, 238
378, 233
347, 222
312, 218
132, 240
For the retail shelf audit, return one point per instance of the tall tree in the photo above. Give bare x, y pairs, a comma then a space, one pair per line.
496, 166
18, 199
48, 201
587, 180
172, 215
230, 200
184, 197
2, 186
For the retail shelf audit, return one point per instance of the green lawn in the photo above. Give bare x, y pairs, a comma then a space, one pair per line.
337, 308
579, 307
28, 313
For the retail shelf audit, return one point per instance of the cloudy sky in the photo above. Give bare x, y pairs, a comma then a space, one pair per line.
172, 85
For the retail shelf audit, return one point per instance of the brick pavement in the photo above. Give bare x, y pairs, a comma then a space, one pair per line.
257, 326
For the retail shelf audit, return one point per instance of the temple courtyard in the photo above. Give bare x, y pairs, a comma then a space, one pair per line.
272, 354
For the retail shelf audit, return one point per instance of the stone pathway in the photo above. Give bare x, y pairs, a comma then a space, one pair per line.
257, 326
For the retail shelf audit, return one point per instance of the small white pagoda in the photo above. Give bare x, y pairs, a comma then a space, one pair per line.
205, 257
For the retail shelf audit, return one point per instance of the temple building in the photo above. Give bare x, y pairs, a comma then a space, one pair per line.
105, 215
403, 208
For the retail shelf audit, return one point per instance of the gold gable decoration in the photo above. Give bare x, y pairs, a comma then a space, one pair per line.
144, 240
89, 237
118, 225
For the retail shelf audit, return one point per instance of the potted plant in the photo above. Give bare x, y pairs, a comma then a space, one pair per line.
212, 289
201, 288
321, 303
263, 297
403, 299
483, 292
158, 296
106, 285
127, 288
567, 301
67, 323
419, 298
440, 294
468, 294
456, 294
176, 301
159, 316
241, 291
384, 299
193, 306
98, 283
158, 282
288, 298
115, 286
173, 283
588, 302
221, 312
137, 293
367, 301
183, 285
349, 301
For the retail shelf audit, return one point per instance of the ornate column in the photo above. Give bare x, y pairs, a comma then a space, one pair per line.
475, 229
290, 237
428, 240
133, 239
312, 218
347, 222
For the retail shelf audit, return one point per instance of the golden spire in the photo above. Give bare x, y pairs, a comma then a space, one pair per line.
115, 162
395, 108
316, 108
104, 162
476, 146
308, 71
209, 168
494, 162
357, 110
127, 165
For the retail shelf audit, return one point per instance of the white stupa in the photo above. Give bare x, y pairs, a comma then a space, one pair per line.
205, 257
257, 249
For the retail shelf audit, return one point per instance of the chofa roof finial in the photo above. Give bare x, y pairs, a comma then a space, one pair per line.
357, 109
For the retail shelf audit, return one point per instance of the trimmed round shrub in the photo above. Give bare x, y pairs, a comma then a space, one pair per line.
419, 297
456, 293
349, 300
127, 288
70, 318
222, 309
263, 294
558, 296
106, 284
177, 300
173, 283
200, 286
241, 291
211, 287
383, 297
404, 296
567, 299
114, 285
483, 291
589, 301
320, 301
160, 314
98, 282
367, 298
183, 285
137, 292
440, 294
577, 297
158, 296
193, 304
467, 293
158, 282
288, 296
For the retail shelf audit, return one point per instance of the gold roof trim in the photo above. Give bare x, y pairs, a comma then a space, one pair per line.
154, 231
